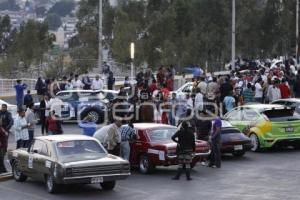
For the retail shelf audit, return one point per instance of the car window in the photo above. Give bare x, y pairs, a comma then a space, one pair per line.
40, 147
188, 88
162, 134
250, 115
235, 115
75, 147
67, 96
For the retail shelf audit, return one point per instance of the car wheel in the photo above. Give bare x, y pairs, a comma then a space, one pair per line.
94, 114
52, 187
255, 142
109, 185
145, 165
238, 153
17, 174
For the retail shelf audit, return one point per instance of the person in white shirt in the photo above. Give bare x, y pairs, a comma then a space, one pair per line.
274, 91
97, 83
202, 86
56, 105
258, 91
77, 83
199, 100
21, 130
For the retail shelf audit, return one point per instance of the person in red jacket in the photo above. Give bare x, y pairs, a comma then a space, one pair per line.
284, 90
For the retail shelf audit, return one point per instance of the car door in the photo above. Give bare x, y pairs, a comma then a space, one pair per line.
235, 118
39, 154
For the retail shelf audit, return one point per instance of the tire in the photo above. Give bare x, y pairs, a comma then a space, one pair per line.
255, 142
238, 154
52, 187
145, 165
94, 114
17, 174
109, 185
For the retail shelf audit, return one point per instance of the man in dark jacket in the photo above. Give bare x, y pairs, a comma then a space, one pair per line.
186, 146
7, 121
215, 159
110, 80
40, 88
3, 148
28, 99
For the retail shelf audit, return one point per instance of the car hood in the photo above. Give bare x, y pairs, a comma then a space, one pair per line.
91, 160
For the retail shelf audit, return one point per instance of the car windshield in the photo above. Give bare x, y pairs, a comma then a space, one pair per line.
72, 147
162, 134
281, 115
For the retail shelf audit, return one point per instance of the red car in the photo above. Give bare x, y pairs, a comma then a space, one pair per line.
154, 147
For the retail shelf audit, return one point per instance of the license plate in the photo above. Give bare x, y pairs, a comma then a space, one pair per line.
238, 147
289, 129
97, 180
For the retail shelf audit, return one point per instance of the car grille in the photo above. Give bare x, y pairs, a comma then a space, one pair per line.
98, 170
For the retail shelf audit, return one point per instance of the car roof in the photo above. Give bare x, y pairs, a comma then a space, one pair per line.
143, 126
295, 100
61, 138
262, 107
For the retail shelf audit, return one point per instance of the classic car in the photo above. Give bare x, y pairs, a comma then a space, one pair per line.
233, 140
154, 147
68, 159
183, 90
267, 125
292, 102
78, 104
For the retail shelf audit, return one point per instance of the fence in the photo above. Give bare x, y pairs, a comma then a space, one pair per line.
7, 86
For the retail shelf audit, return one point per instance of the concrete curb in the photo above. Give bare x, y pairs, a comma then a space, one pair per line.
5, 176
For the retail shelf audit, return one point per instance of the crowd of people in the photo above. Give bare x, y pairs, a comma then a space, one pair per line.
152, 99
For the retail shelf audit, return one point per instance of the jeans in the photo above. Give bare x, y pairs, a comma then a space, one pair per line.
215, 158
258, 100
125, 150
22, 144
31, 136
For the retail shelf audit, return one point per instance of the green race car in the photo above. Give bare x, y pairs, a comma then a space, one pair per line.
267, 125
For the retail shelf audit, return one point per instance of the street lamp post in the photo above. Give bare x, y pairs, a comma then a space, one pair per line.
100, 36
233, 37
132, 58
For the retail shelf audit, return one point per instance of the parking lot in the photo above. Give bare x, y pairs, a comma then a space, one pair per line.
273, 174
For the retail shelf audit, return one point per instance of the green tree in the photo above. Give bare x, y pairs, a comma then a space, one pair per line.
62, 8
53, 21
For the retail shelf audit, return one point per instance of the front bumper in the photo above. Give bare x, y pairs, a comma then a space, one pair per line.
87, 179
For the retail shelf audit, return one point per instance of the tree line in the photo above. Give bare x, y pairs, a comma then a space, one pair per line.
185, 32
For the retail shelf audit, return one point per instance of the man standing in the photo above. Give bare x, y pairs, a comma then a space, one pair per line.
28, 99
229, 102
97, 83
40, 88
113, 138
110, 80
87, 83
127, 134
7, 120
19, 87
215, 160
30, 118
3, 148
258, 91
77, 84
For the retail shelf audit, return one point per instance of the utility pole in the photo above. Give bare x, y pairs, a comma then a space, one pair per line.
100, 36
297, 31
233, 37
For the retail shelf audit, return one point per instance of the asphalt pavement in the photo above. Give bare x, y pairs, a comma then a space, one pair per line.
270, 175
